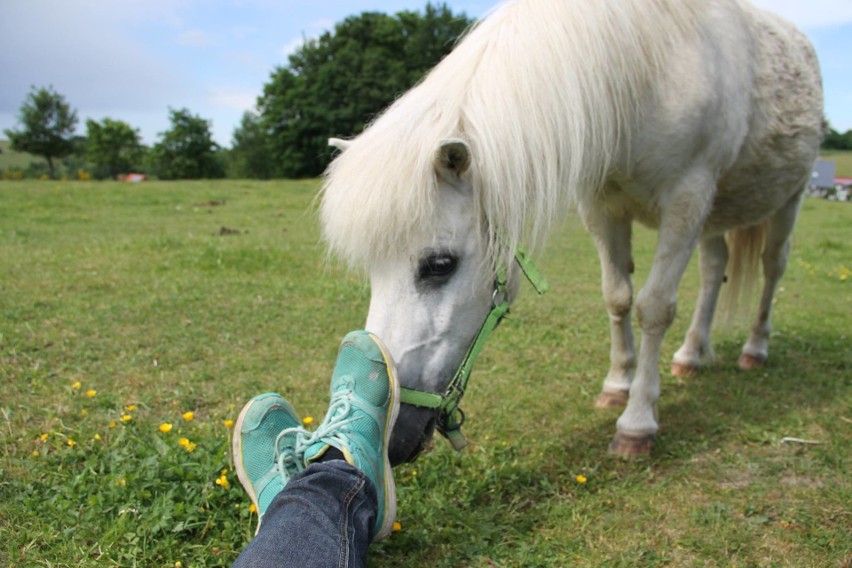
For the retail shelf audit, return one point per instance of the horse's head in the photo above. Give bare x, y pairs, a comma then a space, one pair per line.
428, 301
433, 266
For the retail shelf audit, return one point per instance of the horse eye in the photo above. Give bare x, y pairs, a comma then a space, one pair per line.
439, 265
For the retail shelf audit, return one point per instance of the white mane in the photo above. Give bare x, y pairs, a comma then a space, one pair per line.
545, 92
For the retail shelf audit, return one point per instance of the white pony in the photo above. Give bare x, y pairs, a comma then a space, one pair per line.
701, 118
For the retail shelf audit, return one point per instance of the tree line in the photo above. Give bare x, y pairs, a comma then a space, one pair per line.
47, 124
332, 86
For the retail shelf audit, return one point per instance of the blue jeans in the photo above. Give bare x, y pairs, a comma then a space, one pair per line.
324, 518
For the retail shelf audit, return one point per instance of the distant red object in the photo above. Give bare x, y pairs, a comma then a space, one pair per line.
132, 178
843, 181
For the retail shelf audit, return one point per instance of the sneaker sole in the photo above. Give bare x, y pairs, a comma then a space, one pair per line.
390, 421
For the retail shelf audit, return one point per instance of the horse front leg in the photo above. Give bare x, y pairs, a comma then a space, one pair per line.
775, 254
612, 239
696, 350
656, 306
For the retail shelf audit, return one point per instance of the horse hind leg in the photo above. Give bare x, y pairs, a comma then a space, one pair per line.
775, 255
696, 350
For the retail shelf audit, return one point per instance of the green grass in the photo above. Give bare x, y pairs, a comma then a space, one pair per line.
132, 291
843, 160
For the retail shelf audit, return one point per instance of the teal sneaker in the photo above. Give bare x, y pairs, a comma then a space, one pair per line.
360, 418
266, 437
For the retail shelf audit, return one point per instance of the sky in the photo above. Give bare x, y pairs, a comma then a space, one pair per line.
131, 60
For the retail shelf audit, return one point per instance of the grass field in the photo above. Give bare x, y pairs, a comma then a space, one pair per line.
123, 307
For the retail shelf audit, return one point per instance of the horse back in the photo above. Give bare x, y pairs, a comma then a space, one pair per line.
777, 155
743, 100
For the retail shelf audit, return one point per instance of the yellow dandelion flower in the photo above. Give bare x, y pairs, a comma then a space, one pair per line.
397, 526
188, 416
581, 479
229, 423
165, 427
97, 438
126, 418
121, 482
91, 393
71, 442
35, 453
112, 424
178, 564
186, 444
223, 472
76, 385
222, 482
130, 407
308, 420
253, 508
43, 437
84, 412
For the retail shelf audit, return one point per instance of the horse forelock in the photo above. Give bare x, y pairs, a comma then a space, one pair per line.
546, 93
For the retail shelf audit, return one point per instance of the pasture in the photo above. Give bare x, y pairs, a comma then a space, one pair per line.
124, 307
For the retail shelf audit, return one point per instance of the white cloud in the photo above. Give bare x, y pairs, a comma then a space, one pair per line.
316, 28
291, 47
85, 53
195, 38
237, 100
811, 14
243, 32
322, 25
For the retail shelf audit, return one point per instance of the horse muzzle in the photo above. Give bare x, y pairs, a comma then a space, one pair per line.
412, 433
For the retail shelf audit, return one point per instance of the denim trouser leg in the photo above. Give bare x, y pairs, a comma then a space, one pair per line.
324, 518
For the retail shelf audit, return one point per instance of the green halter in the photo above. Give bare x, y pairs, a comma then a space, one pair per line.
450, 416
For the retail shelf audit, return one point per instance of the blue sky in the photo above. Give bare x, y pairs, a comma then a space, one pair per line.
132, 59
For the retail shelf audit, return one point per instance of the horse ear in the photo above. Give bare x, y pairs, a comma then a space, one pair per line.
453, 157
340, 144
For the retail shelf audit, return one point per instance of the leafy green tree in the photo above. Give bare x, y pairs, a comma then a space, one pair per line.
336, 84
113, 147
47, 126
835, 140
250, 155
187, 149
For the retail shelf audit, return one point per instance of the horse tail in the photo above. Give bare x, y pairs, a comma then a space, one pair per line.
745, 247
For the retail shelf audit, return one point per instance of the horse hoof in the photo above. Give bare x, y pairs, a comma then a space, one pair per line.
627, 446
684, 371
747, 361
616, 399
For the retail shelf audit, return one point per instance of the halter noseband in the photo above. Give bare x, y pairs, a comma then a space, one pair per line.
449, 416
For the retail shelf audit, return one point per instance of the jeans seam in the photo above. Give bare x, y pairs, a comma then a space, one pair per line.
343, 553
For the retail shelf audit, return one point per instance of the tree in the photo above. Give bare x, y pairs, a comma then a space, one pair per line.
187, 149
250, 155
113, 147
47, 126
335, 85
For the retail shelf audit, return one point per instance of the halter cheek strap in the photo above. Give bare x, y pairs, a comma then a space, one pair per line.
450, 416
